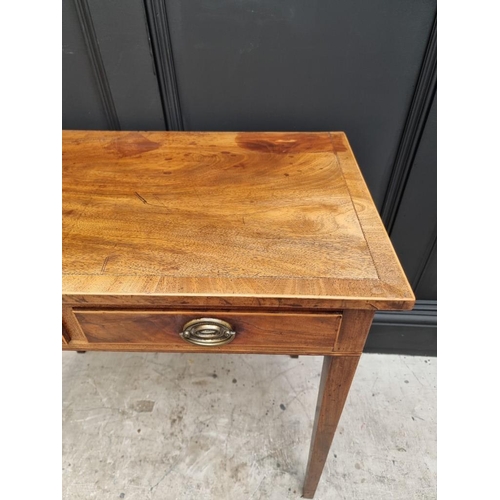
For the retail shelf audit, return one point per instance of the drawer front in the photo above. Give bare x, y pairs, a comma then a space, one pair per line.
254, 332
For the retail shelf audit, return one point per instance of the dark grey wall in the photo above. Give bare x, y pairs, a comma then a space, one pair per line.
81, 101
414, 231
414, 235
109, 77
367, 68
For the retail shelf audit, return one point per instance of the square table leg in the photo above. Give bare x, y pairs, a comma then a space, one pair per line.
336, 377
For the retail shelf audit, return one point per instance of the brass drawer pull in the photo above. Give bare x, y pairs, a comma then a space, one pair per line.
207, 332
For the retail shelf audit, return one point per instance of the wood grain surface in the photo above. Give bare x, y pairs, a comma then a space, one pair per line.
231, 216
354, 330
336, 378
65, 336
315, 333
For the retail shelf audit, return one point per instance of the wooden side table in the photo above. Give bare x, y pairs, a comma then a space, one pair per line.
226, 242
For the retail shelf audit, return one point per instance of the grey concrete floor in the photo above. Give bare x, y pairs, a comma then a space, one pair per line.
181, 426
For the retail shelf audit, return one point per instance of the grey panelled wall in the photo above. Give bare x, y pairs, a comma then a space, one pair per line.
414, 230
367, 68
121, 28
414, 236
109, 76
81, 101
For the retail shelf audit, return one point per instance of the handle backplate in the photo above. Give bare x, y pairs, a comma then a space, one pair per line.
207, 332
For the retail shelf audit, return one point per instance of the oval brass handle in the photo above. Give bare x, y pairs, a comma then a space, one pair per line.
207, 332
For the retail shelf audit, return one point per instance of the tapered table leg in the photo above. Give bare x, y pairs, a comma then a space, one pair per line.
336, 379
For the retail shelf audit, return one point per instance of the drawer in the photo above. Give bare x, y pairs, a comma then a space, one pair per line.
159, 330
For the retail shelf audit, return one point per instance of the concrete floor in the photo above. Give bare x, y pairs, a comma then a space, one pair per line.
180, 426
